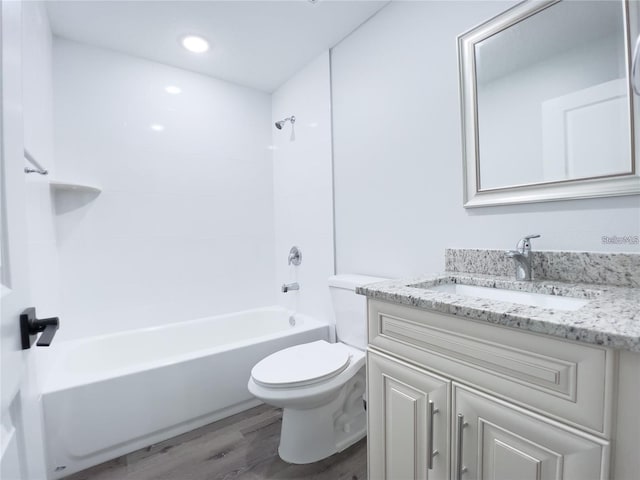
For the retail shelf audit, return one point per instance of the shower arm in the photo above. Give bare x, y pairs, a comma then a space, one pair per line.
281, 123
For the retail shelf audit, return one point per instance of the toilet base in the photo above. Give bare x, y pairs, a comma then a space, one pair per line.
310, 435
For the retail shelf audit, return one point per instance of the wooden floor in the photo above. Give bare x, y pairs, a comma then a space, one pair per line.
243, 447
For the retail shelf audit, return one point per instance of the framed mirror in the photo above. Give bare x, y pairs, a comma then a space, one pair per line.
547, 103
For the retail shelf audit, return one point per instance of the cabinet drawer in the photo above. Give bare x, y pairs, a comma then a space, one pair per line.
563, 379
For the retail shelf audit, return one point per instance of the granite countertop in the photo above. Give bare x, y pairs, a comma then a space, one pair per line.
611, 317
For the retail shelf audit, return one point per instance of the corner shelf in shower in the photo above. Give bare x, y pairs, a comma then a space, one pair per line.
69, 186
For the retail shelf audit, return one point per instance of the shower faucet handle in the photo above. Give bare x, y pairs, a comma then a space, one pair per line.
295, 256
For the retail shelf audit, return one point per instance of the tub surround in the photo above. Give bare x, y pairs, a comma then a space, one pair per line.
611, 318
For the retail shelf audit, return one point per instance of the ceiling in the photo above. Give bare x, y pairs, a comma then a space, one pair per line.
259, 44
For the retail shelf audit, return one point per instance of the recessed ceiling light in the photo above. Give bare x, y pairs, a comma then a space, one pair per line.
172, 89
195, 44
156, 127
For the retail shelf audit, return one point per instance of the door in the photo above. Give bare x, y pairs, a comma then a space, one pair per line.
494, 440
13, 245
408, 412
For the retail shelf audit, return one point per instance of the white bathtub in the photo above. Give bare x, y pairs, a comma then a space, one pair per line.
109, 395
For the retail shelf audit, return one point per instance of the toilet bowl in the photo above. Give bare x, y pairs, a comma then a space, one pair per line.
320, 385
320, 394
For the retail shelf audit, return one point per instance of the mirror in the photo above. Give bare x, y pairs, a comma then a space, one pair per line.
547, 104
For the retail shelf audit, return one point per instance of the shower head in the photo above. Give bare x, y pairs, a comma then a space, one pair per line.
281, 123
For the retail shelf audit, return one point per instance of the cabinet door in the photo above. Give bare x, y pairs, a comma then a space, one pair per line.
494, 440
408, 412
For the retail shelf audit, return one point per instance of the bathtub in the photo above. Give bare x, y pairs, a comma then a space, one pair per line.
106, 396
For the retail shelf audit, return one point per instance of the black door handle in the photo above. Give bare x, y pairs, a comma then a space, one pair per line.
30, 326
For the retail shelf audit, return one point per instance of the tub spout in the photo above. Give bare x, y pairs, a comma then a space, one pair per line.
290, 286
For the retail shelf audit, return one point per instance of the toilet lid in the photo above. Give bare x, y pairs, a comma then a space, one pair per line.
302, 365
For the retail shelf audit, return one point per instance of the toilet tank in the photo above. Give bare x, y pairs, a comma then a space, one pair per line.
350, 308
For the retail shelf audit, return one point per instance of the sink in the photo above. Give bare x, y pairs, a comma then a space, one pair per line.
556, 302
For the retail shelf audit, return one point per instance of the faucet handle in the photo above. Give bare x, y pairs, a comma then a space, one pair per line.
524, 244
295, 256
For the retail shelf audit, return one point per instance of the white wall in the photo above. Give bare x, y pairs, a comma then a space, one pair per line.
398, 154
184, 225
303, 188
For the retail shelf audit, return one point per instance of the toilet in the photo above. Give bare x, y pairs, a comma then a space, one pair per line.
320, 385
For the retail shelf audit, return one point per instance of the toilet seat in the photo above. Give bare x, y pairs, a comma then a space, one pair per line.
302, 365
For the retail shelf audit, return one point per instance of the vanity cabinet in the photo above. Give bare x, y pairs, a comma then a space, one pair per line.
510, 404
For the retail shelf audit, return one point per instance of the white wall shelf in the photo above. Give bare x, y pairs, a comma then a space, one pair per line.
63, 185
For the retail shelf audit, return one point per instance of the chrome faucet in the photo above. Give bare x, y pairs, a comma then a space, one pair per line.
522, 257
290, 286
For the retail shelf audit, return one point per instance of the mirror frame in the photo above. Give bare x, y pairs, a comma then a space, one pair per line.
604, 186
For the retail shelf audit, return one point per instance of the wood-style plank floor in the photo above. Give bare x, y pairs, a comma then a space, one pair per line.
241, 447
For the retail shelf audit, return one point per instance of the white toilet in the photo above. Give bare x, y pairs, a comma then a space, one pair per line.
320, 385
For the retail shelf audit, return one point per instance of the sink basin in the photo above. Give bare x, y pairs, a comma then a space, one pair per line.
523, 298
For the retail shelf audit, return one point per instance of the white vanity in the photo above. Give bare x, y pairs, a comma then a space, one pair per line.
461, 387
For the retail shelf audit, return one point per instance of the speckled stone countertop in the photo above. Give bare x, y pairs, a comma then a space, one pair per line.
610, 318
